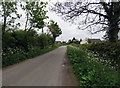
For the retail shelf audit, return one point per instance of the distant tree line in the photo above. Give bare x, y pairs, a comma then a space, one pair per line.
74, 40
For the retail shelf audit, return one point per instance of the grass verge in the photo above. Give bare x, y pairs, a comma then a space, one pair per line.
19, 57
90, 71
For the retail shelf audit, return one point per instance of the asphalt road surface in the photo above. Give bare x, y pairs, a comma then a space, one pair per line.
50, 69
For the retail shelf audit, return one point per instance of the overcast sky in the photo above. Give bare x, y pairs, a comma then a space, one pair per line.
68, 30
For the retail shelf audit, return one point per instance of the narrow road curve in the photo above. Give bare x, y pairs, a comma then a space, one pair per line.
50, 69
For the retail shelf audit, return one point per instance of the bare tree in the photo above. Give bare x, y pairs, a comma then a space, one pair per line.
94, 15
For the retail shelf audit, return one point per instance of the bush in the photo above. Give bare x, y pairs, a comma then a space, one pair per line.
8, 41
45, 40
20, 45
90, 71
107, 51
20, 39
10, 58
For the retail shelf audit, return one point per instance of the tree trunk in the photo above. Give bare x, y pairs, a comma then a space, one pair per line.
113, 33
5, 18
26, 23
4, 26
54, 38
42, 31
113, 14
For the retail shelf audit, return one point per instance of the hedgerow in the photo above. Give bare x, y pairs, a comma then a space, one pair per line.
20, 45
10, 59
108, 51
90, 71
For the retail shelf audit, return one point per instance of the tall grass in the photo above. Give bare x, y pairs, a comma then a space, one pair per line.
17, 55
90, 71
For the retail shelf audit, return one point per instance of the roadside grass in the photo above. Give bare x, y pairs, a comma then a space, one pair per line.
91, 72
20, 56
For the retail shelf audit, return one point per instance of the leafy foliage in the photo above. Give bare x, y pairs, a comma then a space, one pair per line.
45, 40
106, 50
11, 58
19, 45
20, 39
90, 71
35, 14
7, 11
55, 29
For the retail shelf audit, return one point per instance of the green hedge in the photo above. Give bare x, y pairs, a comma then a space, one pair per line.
19, 45
10, 59
90, 71
107, 51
